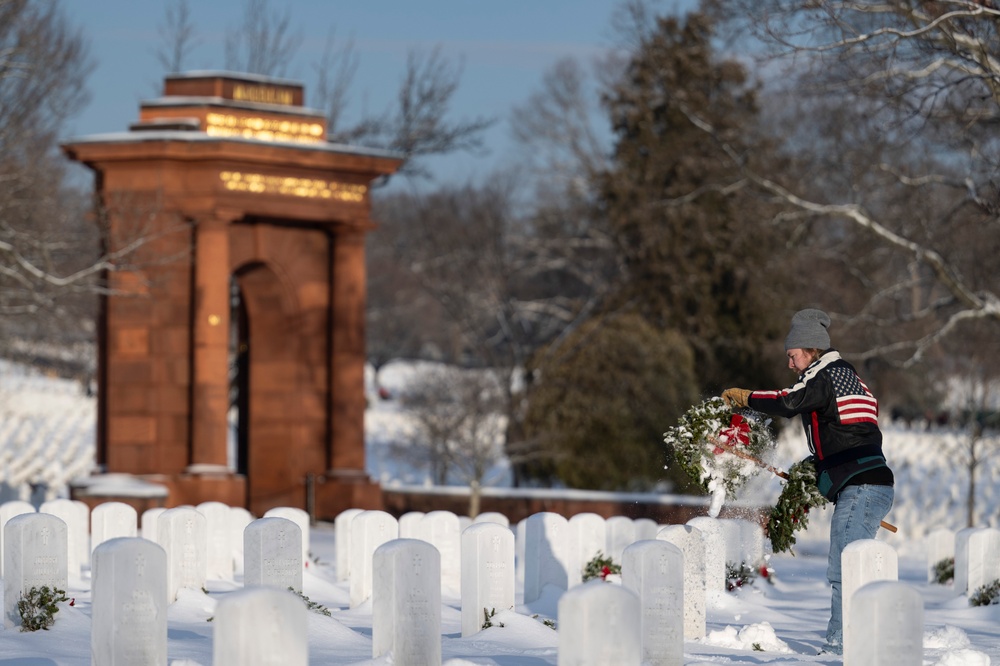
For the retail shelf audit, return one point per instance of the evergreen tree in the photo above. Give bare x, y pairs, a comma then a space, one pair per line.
697, 249
600, 405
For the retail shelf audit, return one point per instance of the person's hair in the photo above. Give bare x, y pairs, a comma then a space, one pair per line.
813, 353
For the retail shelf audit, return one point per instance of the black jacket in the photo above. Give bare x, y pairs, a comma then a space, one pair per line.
840, 418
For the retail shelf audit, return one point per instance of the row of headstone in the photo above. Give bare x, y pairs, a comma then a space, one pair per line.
976, 555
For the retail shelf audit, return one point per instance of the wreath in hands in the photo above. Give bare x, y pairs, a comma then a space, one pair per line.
719, 449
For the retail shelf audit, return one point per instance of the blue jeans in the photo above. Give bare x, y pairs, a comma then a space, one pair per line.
857, 515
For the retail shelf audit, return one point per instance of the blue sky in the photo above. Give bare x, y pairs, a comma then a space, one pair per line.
506, 46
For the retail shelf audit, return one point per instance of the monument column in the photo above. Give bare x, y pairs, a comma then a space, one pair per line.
210, 369
347, 358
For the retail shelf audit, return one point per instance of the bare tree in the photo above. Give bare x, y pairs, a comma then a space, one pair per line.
460, 416
925, 187
49, 253
264, 43
177, 35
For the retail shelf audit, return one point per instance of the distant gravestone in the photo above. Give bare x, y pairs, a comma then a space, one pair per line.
260, 626
590, 538
35, 555
888, 618
645, 528
619, 533
961, 584
239, 518
546, 553
940, 545
654, 571
300, 518
442, 530
85, 519
690, 542
129, 603
369, 530
111, 520
147, 523
272, 551
863, 561
599, 624
76, 533
492, 517
219, 551
752, 540
181, 533
715, 549
977, 559
342, 543
7, 511
487, 573
520, 530
409, 524
406, 603
733, 539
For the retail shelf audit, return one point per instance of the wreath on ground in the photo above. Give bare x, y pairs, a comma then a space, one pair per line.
791, 513
708, 442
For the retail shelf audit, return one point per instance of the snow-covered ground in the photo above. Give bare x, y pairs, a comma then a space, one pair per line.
46, 435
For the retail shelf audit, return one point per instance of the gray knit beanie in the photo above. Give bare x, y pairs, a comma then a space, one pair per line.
809, 330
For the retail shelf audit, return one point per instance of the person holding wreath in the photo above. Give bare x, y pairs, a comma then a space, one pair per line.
840, 417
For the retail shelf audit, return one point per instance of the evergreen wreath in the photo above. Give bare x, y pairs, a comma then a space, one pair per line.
38, 607
600, 566
695, 444
987, 595
791, 513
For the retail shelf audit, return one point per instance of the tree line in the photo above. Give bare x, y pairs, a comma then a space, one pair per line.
675, 203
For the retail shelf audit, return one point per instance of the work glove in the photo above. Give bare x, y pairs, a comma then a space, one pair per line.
736, 397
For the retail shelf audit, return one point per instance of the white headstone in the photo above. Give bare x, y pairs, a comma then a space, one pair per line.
406, 603
442, 530
260, 626
219, 554
147, 523
862, 562
599, 624
342, 543
690, 542
645, 528
493, 517
715, 549
619, 533
590, 537
7, 511
487, 573
129, 603
76, 532
369, 530
654, 571
889, 626
980, 558
961, 585
239, 518
753, 542
734, 541
520, 530
409, 524
181, 532
940, 545
35, 552
111, 520
85, 544
300, 518
547, 548
272, 551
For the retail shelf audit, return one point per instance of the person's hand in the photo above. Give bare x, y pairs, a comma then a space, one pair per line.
736, 397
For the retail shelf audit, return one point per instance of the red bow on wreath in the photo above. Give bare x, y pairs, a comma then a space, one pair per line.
738, 432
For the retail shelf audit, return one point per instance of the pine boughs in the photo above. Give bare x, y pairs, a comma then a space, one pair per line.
944, 571
791, 513
38, 607
987, 595
694, 444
